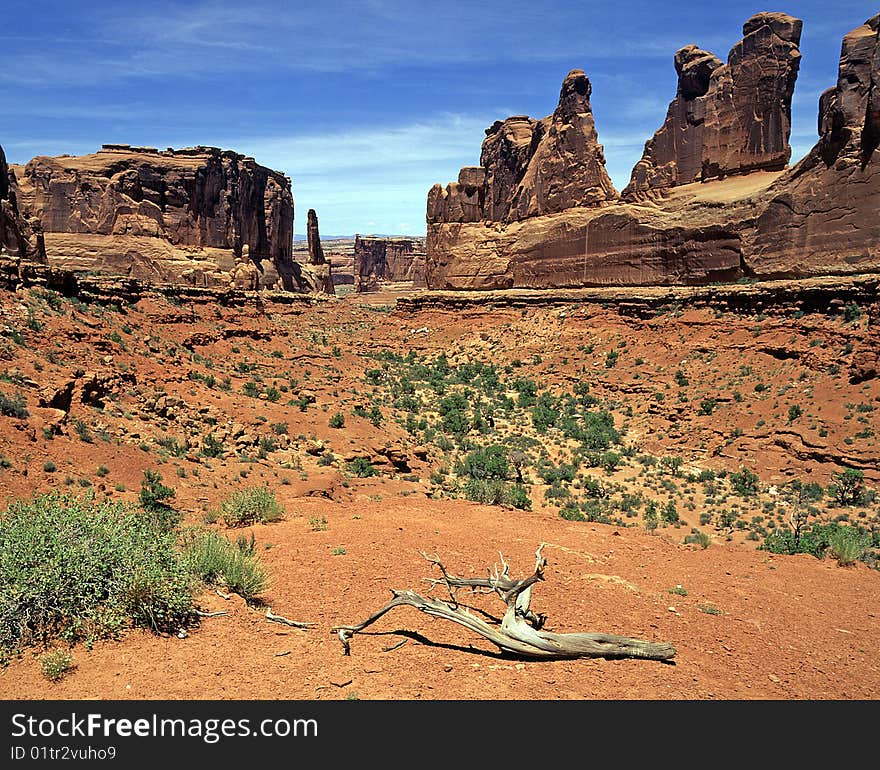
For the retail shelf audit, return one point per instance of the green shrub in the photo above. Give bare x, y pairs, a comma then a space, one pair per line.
362, 468
49, 466
699, 538
153, 496
817, 540
485, 463
78, 569
250, 505
851, 312
847, 545
545, 413
848, 487
493, 491
337, 420
13, 406
707, 406
745, 483
212, 446
82, 430
215, 561
55, 664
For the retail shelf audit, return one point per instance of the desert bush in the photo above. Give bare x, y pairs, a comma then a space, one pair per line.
215, 561
848, 487
847, 545
745, 483
78, 569
13, 406
55, 664
841, 540
494, 491
362, 468
337, 420
699, 538
250, 505
153, 498
485, 463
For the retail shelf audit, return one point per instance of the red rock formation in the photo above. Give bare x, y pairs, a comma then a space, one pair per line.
18, 237
567, 167
162, 213
316, 277
387, 259
316, 253
817, 218
529, 168
727, 118
821, 216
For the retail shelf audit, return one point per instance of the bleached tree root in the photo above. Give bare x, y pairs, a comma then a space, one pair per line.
520, 631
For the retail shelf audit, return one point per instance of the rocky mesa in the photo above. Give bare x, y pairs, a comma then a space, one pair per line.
197, 216
711, 199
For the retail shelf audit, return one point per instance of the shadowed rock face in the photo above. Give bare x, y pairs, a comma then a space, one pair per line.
726, 118
17, 236
531, 167
712, 220
316, 252
821, 215
317, 277
387, 259
202, 201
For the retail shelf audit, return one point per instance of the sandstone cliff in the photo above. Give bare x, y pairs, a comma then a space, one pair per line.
749, 217
379, 260
18, 237
727, 118
176, 215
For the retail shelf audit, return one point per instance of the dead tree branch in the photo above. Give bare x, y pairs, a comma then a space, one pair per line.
285, 621
521, 631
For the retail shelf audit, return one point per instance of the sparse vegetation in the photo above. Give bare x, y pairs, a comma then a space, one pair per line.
249, 506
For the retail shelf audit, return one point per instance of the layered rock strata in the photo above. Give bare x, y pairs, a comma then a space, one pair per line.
170, 216
387, 260
747, 216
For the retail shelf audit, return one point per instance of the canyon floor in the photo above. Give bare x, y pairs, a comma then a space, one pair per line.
652, 456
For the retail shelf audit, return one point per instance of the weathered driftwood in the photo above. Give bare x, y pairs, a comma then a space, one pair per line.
520, 631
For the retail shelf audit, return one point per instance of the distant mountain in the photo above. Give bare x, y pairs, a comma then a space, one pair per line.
303, 236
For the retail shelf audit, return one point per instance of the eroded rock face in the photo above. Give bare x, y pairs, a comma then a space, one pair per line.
727, 118
531, 167
713, 221
567, 167
379, 260
316, 253
160, 214
317, 277
821, 215
18, 236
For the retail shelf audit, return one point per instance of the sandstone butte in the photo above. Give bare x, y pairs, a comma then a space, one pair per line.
712, 198
199, 217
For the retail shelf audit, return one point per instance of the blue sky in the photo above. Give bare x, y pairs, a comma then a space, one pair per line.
365, 104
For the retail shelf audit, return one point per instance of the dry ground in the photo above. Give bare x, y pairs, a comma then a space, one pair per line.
751, 625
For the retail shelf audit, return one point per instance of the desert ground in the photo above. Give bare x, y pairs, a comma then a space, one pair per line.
360, 417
